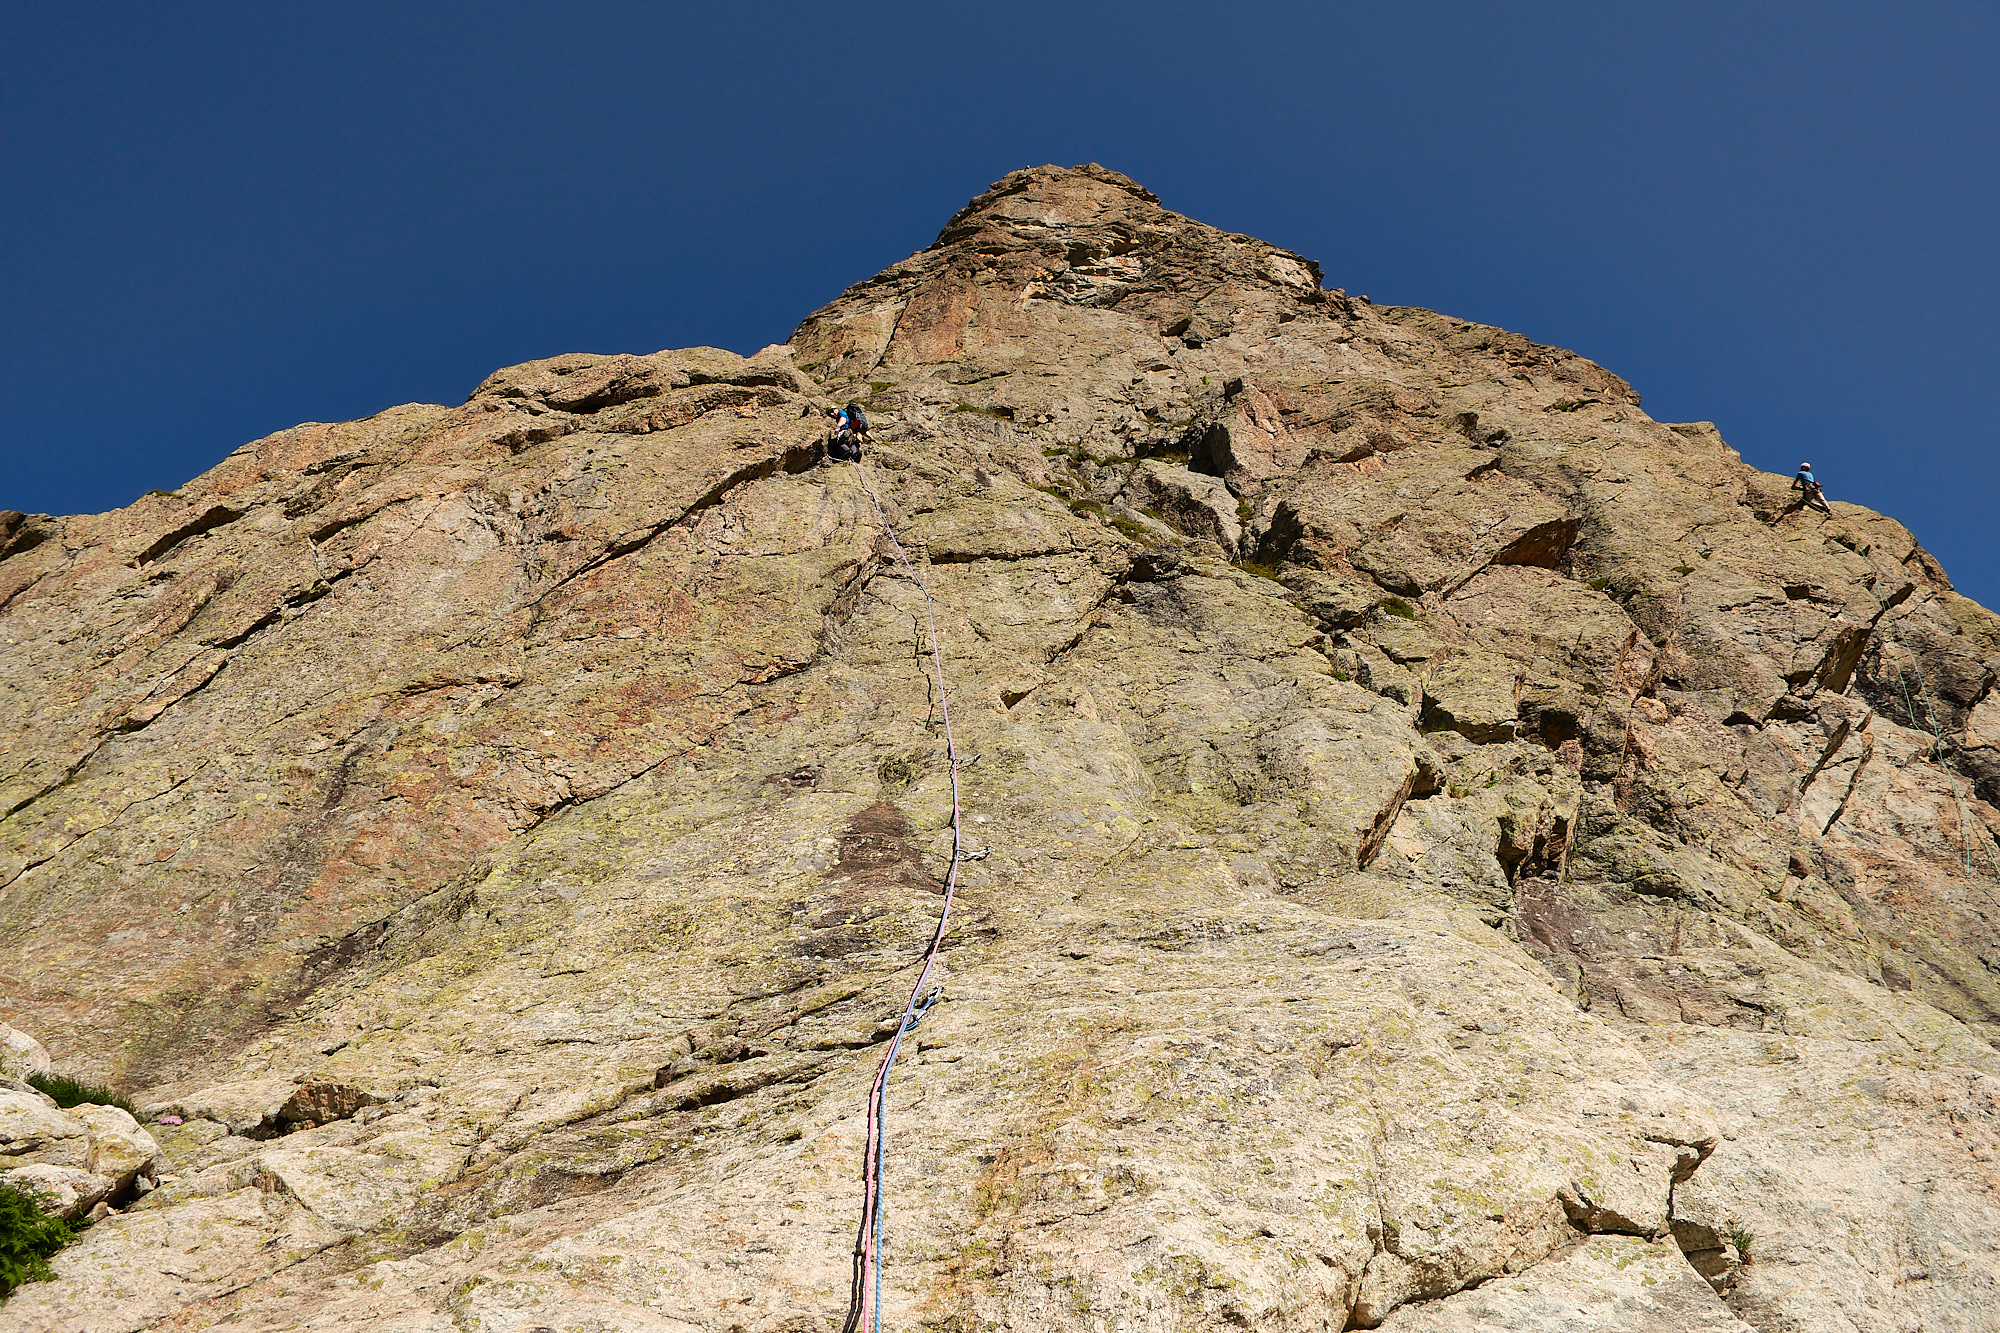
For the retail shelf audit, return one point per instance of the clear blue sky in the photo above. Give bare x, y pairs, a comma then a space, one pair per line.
217, 220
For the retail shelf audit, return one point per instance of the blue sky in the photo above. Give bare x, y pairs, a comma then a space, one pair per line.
217, 220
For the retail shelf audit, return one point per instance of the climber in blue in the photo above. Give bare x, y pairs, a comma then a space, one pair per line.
1813, 495
850, 432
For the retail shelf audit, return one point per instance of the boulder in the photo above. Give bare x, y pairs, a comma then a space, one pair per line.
63, 1190
120, 1150
34, 1131
20, 1054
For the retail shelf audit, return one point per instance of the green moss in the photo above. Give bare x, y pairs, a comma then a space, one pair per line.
75, 1092
876, 386
28, 1236
1260, 569
999, 413
1396, 606
1600, 583
1570, 404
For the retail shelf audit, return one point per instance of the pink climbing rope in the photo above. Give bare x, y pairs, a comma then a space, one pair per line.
865, 1294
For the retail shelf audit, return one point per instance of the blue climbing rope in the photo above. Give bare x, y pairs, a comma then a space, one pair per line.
864, 1302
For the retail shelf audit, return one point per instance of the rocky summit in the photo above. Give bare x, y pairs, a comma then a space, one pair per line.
1453, 853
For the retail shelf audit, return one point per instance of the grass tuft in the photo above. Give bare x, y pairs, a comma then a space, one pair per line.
1396, 606
75, 1092
1743, 1238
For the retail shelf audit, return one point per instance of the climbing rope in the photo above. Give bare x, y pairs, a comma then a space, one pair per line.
864, 1301
1930, 722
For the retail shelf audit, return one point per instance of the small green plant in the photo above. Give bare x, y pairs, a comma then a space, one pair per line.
1260, 569
28, 1236
1600, 583
876, 386
1570, 404
1742, 1238
1138, 532
69, 1091
1396, 606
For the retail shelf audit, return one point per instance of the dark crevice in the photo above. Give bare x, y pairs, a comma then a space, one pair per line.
328, 529
968, 558
23, 532
214, 518
275, 614
1208, 452
731, 1086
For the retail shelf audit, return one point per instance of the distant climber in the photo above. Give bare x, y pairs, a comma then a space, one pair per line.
845, 445
1814, 496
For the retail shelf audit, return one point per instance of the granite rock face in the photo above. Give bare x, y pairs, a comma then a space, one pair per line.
1462, 854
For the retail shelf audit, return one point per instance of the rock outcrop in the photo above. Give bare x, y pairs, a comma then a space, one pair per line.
72, 1159
1463, 854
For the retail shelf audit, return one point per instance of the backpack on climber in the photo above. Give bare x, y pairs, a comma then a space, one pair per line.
843, 445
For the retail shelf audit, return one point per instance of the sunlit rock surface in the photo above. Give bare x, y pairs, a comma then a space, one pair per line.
1463, 855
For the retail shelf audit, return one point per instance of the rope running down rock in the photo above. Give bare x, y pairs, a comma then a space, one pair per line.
864, 1301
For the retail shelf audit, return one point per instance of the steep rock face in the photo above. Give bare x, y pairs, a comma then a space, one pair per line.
1447, 831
